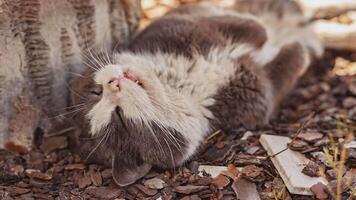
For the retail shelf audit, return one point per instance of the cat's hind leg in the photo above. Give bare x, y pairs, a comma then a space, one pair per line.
285, 69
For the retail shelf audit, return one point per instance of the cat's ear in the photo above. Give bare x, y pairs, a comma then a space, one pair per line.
125, 174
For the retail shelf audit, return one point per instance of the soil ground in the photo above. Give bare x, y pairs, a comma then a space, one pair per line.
51, 171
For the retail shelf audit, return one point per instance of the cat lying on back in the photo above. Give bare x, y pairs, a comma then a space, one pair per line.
195, 70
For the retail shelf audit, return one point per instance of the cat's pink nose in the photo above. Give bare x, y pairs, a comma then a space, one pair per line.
114, 85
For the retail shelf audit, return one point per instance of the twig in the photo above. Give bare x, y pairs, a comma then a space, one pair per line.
213, 135
300, 129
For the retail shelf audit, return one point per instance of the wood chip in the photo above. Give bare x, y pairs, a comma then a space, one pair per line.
214, 171
53, 143
155, 183
251, 171
75, 166
103, 192
189, 189
34, 173
83, 181
106, 173
298, 145
289, 164
312, 169
232, 172
95, 177
351, 145
310, 136
18, 191
245, 190
147, 191
17, 169
319, 191
246, 135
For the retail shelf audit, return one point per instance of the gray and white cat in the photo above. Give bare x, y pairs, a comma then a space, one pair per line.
195, 70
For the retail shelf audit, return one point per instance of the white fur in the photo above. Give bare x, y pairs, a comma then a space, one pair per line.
100, 115
104, 76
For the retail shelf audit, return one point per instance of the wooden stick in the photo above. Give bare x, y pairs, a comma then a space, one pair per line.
326, 8
336, 36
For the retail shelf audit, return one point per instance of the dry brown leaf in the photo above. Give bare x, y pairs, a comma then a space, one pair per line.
221, 181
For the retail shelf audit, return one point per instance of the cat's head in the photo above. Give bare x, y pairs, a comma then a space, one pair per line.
139, 120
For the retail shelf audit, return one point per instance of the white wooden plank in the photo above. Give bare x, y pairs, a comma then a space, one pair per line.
289, 165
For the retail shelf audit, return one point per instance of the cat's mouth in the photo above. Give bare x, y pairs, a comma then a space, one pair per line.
133, 78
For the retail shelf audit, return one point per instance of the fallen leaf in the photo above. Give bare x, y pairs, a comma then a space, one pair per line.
221, 181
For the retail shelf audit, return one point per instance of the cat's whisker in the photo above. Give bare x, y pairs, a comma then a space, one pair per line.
108, 57
166, 133
98, 55
75, 74
93, 67
74, 92
97, 146
70, 107
63, 115
92, 64
170, 151
95, 59
104, 58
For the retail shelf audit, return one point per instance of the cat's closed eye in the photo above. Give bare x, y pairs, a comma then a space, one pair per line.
96, 90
